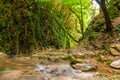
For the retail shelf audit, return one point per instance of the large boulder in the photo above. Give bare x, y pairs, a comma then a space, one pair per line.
115, 64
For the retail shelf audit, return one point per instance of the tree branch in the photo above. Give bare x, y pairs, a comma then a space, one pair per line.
65, 31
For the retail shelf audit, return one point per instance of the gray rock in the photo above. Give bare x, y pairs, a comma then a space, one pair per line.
59, 69
84, 67
115, 64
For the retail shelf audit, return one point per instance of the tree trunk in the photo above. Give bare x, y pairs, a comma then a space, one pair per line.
109, 26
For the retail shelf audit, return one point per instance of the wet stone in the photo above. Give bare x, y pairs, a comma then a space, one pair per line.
85, 67
40, 67
115, 64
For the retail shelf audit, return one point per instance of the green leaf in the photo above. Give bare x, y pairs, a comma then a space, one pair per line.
70, 2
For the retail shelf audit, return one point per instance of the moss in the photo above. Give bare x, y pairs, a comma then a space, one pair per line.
1, 70
108, 61
4, 69
84, 56
99, 59
71, 59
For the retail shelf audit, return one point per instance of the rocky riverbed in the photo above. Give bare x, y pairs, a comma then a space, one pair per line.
56, 67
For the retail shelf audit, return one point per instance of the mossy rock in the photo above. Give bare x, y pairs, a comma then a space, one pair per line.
71, 59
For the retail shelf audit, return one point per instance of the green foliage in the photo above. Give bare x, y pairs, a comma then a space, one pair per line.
113, 6
27, 25
118, 28
16, 30
82, 10
70, 2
